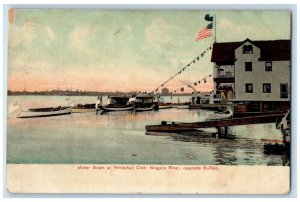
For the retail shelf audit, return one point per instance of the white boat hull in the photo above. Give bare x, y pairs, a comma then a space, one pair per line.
143, 109
35, 114
78, 110
182, 106
220, 115
165, 107
116, 109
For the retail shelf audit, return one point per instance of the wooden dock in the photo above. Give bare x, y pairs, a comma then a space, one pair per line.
210, 106
219, 124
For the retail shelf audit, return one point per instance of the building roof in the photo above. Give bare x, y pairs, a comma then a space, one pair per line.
276, 50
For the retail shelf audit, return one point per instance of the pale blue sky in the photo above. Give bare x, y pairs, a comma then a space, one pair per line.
107, 50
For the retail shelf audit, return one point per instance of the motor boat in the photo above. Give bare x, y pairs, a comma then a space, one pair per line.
118, 103
143, 103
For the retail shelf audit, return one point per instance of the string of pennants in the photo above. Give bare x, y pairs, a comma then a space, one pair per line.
184, 68
181, 89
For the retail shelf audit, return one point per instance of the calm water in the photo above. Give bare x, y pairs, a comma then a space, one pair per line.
120, 137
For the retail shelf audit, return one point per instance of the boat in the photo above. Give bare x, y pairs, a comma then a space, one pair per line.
143, 109
281, 147
45, 112
159, 103
220, 114
184, 106
82, 108
277, 149
118, 103
165, 105
143, 103
111, 108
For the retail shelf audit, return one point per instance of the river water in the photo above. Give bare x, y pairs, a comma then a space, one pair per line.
120, 137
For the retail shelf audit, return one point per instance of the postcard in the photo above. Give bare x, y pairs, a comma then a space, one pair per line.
148, 101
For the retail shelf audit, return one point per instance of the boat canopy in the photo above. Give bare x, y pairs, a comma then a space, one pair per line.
121, 100
144, 99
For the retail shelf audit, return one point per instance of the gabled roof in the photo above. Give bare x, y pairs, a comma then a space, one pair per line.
276, 50
224, 52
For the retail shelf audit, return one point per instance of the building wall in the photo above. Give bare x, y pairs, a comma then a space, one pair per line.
280, 74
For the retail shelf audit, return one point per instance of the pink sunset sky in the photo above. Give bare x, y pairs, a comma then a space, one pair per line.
102, 50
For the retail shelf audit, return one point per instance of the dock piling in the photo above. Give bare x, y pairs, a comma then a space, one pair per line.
226, 131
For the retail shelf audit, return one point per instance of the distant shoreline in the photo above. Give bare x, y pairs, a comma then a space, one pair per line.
81, 94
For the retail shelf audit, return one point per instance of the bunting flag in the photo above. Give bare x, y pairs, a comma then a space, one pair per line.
181, 89
188, 65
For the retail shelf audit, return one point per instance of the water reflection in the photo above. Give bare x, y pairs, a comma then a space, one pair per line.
226, 150
223, 147
120, 138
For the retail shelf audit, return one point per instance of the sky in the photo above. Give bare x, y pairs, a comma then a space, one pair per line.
124, 50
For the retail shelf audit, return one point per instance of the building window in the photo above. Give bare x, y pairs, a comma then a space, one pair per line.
248, 66
249, 88
247, 49
268, 66
267, 88
283, 90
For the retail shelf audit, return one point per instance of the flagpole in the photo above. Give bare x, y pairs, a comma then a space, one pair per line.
215, 28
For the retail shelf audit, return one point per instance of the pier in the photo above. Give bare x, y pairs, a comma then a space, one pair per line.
210, 106
218, 124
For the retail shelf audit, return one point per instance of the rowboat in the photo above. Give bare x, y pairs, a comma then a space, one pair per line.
45, 112
221, 114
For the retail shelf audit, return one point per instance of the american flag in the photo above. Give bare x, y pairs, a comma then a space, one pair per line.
204, 33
